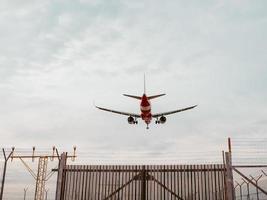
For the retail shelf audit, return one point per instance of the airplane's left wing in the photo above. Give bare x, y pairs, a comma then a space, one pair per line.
119, 112
172, 112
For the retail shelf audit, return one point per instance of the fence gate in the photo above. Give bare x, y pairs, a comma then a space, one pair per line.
139, 182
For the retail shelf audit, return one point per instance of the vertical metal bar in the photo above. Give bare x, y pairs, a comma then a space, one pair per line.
164, 180
135, 188
93, 182
90, 183
223, 181
183, 183
229, 176
67, 183
166, 183
105, 181
248, 192
4, 170
191, 182
96, 181
71, 175
155, 193
143, 183
212, 181
161, 189
131, 175
215, 182
198, 183
177, 191
140, 182
173, 179
201, 182
257, 190
108, 180
80, 182
229, 145
147, 181
99, 182
60, 178
72, 182
180, 181
126, 178
112, 179
195, 182
77, 175
121, 181
208, 183
159, 196
86, 183
3, 179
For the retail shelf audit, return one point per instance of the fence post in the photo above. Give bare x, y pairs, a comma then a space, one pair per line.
60, 176
4, 170
229, 177
143, 183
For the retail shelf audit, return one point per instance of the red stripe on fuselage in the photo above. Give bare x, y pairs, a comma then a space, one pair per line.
145, 108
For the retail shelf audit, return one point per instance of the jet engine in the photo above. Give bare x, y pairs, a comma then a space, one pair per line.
131, 120
162, 119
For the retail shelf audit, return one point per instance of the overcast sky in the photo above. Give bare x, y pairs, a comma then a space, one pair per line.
58, 58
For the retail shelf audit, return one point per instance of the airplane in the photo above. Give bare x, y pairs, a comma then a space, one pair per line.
145, 108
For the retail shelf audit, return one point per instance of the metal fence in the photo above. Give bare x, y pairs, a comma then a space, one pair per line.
128, 182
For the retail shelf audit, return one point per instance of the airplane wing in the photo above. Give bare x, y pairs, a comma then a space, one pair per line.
119, 112
172, 112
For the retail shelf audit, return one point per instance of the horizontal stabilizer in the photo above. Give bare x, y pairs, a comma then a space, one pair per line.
155, 96
132, 96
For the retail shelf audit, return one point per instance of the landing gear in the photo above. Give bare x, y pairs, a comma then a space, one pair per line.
147, 127
136, 122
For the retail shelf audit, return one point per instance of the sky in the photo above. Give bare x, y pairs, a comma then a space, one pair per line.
60, 58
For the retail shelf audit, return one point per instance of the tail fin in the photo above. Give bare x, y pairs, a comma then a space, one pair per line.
144, 83
155, 96
132, 96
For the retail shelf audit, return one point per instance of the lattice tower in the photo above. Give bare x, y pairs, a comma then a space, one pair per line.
41, 178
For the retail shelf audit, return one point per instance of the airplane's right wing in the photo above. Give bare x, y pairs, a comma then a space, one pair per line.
119, 112
172, 112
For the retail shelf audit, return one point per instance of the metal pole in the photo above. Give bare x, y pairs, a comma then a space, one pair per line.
143, 183
60, 176
3, 180
4, 171
25, 192
46, 191
229, 145
229, 176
